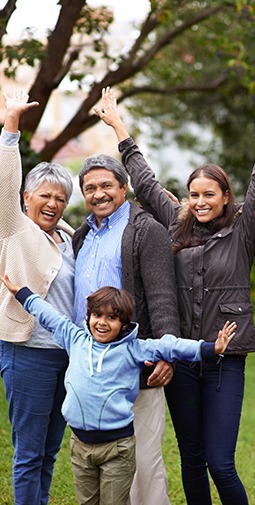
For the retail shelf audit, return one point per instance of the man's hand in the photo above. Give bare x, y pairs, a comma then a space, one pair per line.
161, 375
171, 195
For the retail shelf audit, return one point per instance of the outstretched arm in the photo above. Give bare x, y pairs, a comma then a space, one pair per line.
15, 107
109, 114
224, 337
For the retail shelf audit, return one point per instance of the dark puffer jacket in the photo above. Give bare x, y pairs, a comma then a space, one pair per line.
147, 273
213, 280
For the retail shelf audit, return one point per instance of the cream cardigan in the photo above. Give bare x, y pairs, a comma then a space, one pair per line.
28, 255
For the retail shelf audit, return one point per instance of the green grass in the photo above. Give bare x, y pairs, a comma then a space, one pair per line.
63, 493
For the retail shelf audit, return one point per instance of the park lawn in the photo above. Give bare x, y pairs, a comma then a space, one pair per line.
63, 493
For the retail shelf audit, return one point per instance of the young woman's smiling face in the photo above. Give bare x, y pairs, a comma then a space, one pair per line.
206, 199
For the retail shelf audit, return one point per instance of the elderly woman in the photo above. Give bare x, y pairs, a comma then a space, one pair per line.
36, 251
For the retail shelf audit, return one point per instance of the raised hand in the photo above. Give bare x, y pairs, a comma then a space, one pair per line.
109, 114
18, 102
224, 337
16, 105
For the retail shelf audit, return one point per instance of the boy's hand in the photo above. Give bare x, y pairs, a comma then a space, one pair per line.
224, 337
13, 288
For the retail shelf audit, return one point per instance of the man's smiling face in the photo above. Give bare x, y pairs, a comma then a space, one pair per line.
102, 192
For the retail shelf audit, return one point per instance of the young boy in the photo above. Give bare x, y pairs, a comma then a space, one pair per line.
102, 383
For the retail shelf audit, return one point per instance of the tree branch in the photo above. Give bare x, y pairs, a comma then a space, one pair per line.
52, 67
182, 88
5, 15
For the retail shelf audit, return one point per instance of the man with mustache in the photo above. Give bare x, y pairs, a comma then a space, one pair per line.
121, 245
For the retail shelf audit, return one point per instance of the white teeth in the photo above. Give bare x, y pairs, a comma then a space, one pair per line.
51, 214
101, 204
205, 211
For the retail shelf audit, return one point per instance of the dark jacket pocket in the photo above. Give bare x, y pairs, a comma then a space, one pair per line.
236, 308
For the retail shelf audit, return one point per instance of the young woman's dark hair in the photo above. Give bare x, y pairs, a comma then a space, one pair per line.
183, 234
120, 301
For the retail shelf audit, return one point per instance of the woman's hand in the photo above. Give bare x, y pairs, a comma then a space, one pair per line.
224, 337
18, 102
16, 105
109, 114
13, 288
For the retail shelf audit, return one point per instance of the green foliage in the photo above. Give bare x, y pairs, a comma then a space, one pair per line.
207, 78
29, 51
191, 63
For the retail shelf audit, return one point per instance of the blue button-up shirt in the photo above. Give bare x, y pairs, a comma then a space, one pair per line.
99, 260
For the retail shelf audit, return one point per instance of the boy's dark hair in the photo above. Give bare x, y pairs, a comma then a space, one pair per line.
121, 302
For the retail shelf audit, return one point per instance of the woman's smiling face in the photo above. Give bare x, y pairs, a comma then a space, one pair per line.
206, 199
45, 205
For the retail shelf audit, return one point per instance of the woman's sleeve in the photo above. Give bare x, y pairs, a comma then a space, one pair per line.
10, 183
147, 189
248, 216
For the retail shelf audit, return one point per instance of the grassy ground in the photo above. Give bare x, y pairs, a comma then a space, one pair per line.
63, 493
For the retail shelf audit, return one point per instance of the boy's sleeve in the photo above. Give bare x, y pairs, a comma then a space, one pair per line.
63, 331
172, 348
23, 294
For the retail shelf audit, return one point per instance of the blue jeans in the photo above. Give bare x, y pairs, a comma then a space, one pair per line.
205, 402
34, 385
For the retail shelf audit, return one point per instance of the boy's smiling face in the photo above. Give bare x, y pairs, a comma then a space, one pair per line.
105, 325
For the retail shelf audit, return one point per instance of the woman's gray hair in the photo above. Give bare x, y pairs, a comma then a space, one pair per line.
53, 173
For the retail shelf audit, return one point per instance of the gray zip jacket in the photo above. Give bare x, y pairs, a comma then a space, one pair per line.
147, 273
213, 280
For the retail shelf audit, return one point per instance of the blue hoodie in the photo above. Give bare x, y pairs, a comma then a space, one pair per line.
102, 380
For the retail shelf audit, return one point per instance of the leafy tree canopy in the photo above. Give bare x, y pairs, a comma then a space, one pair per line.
192, 61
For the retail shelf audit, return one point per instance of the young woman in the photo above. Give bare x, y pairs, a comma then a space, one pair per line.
214, 243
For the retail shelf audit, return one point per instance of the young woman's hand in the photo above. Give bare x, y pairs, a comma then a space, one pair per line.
109, 114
